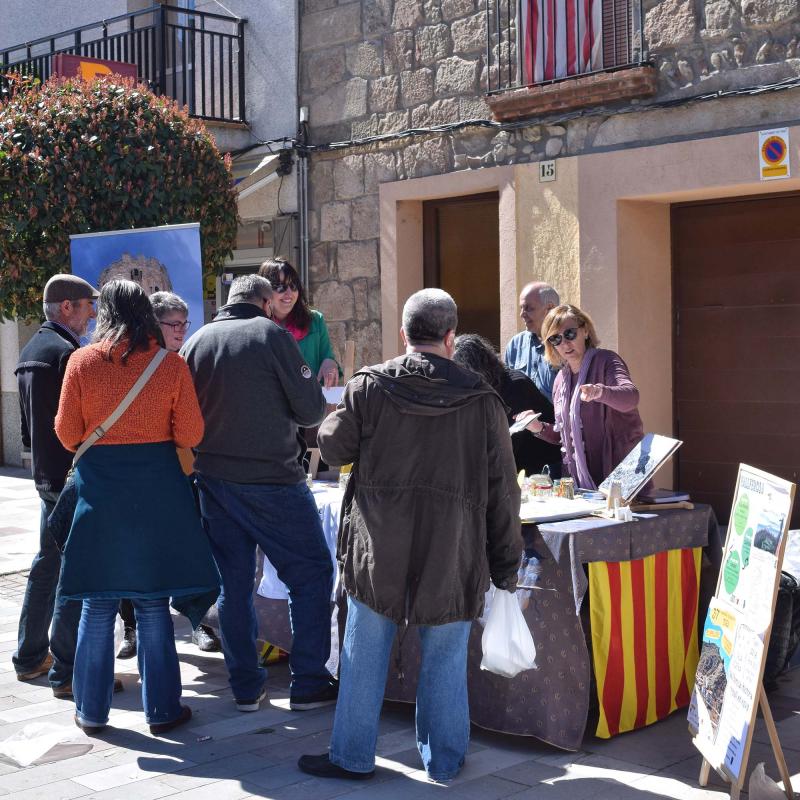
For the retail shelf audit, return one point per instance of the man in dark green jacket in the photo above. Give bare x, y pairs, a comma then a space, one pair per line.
431, 512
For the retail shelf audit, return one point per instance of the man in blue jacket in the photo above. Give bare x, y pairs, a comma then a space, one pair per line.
68, 307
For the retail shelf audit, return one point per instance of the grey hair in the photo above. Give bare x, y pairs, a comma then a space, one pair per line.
428, 315
165, 302
249, 289
549, 296
52, 311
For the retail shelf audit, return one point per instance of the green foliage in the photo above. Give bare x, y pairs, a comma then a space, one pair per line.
78, 156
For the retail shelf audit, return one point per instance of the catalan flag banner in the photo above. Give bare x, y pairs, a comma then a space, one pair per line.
644, 637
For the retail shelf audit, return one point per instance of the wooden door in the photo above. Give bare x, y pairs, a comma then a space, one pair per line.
462, 256
737, 343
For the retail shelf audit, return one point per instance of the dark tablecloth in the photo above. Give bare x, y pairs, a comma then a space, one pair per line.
552, 702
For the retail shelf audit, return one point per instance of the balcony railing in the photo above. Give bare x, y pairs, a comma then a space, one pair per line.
194, 57
542, 41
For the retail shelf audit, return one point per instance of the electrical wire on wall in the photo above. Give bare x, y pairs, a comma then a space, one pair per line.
453, 127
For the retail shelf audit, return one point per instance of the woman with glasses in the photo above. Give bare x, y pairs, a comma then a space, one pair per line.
596, 418
135, 532
172, 315
290, 310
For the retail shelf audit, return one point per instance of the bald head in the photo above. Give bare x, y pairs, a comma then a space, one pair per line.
535, 300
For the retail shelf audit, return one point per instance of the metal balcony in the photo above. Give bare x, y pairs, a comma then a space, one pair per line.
533, 42
194, 57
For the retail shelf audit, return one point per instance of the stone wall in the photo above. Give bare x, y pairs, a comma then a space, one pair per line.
374, 67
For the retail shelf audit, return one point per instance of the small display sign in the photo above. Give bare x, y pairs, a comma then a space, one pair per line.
773, 154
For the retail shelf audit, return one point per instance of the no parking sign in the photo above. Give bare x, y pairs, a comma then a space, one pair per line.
773, 154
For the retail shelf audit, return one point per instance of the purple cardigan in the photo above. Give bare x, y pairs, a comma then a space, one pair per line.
611, 424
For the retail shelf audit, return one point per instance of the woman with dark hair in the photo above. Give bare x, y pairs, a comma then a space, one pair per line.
135, 532
290, 310
519, 393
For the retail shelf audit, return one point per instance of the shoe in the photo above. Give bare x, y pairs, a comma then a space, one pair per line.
206, 640
128, 649
89, 730
65, 692
326, 696
323, 767
252, 705
160, 728
42, 669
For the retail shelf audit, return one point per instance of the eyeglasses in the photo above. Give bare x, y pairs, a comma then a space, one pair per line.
177, 327
282, 288
569, 334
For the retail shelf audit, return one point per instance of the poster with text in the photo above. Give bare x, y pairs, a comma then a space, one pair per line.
739, 621
166, 258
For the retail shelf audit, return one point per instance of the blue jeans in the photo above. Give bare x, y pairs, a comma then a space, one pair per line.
93, 683
284, 522
442, 703
43, 606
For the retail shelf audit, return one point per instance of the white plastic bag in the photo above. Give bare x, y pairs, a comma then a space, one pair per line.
507, 643
119, 633
762, 787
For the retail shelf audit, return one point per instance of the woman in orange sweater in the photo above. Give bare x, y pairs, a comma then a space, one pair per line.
135, 532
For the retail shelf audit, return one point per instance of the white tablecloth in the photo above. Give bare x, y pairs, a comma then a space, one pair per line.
328, 497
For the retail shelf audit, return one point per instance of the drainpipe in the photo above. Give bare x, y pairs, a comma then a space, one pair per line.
302, 194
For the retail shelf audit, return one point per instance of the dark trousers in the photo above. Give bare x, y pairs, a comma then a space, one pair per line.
47, 621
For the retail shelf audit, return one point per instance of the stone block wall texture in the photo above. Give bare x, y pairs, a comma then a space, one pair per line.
370, 67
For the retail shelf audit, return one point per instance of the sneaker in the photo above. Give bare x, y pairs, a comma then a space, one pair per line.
323, 767
42, 669
128, 649
326, 696
65, 692
252, 705
206, 640
160, 728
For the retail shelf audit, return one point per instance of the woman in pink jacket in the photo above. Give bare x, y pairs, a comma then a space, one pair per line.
596, 418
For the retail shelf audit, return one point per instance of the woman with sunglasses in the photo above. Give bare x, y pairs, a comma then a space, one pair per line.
290, 310
596, 418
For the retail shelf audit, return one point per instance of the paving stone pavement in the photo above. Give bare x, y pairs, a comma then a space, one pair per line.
226, 755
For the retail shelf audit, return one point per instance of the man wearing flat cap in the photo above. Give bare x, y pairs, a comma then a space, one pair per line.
68, 307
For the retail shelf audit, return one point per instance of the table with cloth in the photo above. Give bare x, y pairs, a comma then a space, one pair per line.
648, 583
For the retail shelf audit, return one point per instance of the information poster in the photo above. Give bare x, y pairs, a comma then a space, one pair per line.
166, 258
739, 620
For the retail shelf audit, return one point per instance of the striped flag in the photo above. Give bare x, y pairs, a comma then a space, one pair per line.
644, 637
560, 38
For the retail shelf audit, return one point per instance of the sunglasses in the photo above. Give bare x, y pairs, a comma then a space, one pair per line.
177, 326
570, 334
282, 288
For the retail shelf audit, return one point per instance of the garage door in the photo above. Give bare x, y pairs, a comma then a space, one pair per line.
737, 343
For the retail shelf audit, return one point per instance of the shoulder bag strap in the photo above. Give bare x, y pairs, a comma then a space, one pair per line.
100, 431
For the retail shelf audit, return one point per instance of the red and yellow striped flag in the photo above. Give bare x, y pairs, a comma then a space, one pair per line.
644, 637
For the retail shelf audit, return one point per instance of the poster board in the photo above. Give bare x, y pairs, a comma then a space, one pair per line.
639, 466
728, 682
164, 258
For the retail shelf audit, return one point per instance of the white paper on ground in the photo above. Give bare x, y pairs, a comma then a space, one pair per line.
35, 740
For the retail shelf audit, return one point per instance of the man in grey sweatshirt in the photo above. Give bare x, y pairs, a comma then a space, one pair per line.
255, 391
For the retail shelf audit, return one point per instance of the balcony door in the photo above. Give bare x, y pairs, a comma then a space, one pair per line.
461, 237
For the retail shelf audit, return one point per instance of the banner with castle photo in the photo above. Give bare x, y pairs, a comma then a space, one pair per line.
166, 258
